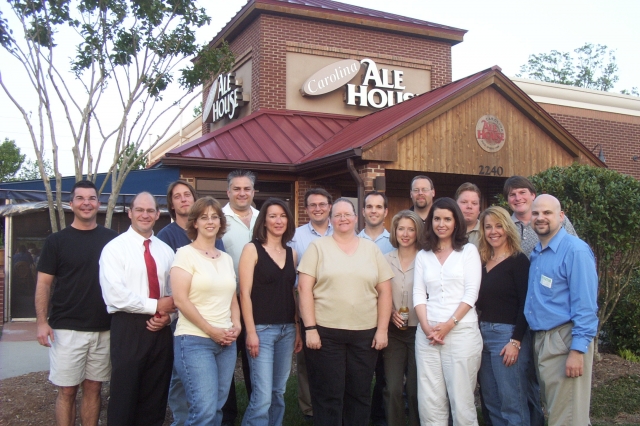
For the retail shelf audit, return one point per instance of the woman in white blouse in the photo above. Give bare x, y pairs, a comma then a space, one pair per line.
448, 342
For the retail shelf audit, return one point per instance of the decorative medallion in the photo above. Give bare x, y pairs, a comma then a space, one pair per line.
490, 133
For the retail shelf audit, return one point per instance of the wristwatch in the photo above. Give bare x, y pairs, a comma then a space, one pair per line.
455, 320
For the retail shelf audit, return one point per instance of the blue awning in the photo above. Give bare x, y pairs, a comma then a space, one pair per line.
154, 181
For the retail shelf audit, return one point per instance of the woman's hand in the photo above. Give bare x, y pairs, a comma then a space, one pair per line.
510, 354
380, 340
253, 344
298, 345
396, 318
439, 332
313, 339
223, 337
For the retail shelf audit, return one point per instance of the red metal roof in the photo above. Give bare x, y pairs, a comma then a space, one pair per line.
270, 136
295, 137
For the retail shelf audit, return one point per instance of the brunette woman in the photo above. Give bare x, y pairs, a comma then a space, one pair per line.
267, 295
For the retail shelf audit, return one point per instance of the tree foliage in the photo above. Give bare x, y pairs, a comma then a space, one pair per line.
30, 170
604, 207
591, 66
10, 160
110, 93
137, 160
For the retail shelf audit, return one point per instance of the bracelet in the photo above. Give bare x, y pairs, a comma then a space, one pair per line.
311, 327
514, 343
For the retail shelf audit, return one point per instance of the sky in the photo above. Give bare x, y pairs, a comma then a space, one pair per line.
500, 32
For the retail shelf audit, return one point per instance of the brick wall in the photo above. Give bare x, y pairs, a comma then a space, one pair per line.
368, 174
267, 36
619, 139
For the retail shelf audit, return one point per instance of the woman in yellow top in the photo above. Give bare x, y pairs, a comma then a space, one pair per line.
204, 290
345, 304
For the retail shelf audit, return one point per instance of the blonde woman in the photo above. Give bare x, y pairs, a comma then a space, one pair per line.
506, 352
399, 355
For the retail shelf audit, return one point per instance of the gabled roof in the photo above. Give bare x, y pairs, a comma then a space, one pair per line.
265, 136
305, 140
327, 10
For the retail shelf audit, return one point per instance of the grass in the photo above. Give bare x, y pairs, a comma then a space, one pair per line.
621, 395
618, 396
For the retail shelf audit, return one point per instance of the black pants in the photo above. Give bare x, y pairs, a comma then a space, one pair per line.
141, 362
340, 375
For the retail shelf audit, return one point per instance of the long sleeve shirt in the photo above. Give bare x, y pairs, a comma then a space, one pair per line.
563, 287
442, 287
123, 273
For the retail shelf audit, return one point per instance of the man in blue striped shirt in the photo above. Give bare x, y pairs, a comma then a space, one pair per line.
561, 310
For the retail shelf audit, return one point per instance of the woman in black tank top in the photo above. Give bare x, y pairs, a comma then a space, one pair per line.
267, 279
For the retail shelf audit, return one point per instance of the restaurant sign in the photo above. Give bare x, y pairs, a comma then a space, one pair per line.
490, 133
225, 99
379, 88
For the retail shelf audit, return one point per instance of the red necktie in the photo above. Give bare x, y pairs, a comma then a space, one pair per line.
152, 272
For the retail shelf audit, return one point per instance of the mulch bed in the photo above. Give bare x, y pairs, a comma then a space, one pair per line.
30, 399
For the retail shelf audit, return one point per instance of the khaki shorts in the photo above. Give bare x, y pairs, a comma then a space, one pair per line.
78, 355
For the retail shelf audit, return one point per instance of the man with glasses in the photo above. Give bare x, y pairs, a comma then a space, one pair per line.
317, 203
76, 328
134, 275
422, 193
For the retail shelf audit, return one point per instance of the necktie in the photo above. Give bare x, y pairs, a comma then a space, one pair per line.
152, 272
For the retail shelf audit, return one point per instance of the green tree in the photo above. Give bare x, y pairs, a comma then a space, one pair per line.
110, 94
30, 170
10, 160
604, 207
591, 66
137, 159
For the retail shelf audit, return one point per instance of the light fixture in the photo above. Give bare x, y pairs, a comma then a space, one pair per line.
601, 156
636, 157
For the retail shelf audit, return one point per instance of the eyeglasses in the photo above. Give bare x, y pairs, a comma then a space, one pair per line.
343, 216
315, 206
420, 190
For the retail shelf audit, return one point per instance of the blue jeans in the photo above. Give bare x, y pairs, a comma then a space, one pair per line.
504, 389
177, 396
205, 369
269, 374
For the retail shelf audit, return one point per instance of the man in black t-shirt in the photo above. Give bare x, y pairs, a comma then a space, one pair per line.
77, 327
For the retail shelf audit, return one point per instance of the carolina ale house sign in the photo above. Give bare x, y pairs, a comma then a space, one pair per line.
379, 88
225, 99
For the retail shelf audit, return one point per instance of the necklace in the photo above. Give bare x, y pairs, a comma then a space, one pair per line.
214, 254
273, 248
245, 215
499, 257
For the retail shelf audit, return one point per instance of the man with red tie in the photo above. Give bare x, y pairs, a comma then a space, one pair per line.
134, 276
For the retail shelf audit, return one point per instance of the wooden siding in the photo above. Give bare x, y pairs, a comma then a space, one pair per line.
447, 143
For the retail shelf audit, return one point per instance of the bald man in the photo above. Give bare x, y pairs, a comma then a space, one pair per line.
562, 313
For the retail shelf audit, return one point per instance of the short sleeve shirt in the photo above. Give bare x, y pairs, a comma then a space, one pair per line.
345, 294
213, 285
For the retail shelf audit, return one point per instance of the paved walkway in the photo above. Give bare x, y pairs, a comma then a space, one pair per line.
20, 352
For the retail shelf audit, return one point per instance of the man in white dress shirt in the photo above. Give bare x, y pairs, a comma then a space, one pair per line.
134, 276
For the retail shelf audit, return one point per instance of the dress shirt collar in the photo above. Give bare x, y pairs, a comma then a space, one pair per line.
131, 233
555, 241
228, 211
395, 261
313, 231
385, 234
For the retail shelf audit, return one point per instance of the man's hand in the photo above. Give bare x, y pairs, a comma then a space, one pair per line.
380, 340
165, 305
158, 322
313, 339
575, 363
44, 334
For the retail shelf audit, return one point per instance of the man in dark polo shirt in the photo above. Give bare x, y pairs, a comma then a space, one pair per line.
77, 326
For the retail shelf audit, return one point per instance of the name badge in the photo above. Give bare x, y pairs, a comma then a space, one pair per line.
546, 281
